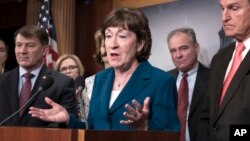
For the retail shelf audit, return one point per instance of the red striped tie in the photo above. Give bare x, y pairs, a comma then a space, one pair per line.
25, 91
183, 105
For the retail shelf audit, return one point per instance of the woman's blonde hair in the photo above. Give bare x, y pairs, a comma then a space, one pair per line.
73, 57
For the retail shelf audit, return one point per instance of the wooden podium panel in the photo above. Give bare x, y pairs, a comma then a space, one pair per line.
55, 134
38, 134
91, 135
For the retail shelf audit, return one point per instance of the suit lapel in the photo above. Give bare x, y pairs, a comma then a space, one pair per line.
105, 93
199, 89
244, 68
139, 79
221, 73
40, 78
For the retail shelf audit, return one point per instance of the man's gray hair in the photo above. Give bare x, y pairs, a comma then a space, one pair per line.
189, 31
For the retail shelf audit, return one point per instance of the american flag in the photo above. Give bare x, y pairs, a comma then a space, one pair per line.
45, 21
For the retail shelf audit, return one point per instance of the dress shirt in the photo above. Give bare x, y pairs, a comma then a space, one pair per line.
244, 53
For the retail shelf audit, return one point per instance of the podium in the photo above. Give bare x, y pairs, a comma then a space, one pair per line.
55, 134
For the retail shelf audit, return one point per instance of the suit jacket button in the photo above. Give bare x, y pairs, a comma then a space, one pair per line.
216, 127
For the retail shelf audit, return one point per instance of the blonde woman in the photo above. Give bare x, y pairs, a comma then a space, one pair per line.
70, 65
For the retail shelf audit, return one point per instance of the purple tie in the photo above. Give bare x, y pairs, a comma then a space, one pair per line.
25, 91
183, 105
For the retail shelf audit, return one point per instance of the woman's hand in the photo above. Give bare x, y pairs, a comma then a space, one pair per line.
56, 114
137, 117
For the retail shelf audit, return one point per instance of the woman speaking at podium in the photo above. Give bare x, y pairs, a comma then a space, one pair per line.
131, 94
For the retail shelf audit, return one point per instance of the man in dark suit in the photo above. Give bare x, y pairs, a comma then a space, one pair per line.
184, 49
3, 55
31, 44
228, 100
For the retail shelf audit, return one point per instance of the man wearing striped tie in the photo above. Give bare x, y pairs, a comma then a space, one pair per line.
19, 87
184, 50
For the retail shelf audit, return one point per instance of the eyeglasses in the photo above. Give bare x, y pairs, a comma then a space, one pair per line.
70, 68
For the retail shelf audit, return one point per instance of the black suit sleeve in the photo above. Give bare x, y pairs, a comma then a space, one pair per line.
68, 98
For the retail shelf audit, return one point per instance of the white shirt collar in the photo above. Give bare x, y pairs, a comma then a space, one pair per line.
35, 72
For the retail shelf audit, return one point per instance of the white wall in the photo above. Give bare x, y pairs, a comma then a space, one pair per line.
201, 15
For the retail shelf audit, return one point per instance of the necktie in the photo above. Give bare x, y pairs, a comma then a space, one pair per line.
236, 63
25, 91
183, 105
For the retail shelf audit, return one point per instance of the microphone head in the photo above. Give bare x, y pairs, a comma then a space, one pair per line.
47, 82
79, 82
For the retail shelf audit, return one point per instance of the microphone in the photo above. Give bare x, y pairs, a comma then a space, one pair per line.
80, 83
45, 84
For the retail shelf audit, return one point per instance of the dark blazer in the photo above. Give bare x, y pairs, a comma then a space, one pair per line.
145, 81
200, 89
61, 91
235, 108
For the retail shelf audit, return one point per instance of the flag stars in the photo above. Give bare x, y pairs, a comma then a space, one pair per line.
44, 19
46, 22
42, 7
50, 26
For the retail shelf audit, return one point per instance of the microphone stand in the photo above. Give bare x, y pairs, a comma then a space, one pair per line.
21, 108
81, 104
82, 111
